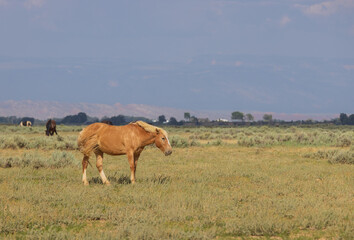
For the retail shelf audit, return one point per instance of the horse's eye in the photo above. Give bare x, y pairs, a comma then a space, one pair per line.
163, 139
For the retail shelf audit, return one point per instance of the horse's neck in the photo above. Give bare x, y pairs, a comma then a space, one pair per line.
147, 138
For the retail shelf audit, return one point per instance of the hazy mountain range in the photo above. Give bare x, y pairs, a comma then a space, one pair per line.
206, 86
52, 109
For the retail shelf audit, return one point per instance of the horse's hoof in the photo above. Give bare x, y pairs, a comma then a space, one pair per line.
107, 183
86, 183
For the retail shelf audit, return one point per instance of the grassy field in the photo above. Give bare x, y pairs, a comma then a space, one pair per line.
219, 183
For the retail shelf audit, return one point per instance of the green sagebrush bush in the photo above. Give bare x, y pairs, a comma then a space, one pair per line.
59, 159
13, 142
216, 143
344, 141
334, 156
26, 160
271, 136
177, 141
180, 142
342, 156
38, 142
259, 140
48, 143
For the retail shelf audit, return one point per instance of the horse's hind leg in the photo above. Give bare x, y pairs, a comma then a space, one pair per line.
84, 167
99, 165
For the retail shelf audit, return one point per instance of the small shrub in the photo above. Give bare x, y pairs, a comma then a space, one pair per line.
284, 138
39, 163
60, 138
9, 143
301, 137
343, 141
40, 142
194, 143
28, 159
321, 154
8, 162
246, 142
160, 179
20, 141
63, 159
34, 159
177, 141
70, 146
122, 179
216, 143
346, 157
333, 156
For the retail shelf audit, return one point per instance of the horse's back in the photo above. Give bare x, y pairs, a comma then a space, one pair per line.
51, 123
95, 127
117, 140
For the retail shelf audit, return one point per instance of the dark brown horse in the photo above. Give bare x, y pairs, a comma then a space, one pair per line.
119, 140
51, 127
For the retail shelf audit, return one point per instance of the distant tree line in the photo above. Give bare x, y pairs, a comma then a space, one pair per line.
16, 120
83, 119
346, 120
343, 119
237, 117
79, 118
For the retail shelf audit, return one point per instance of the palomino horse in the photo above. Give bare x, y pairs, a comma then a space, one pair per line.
119, 140
51, 127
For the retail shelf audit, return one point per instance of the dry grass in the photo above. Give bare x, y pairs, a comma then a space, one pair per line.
207, 191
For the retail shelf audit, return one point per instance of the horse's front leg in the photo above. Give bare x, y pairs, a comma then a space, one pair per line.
136, 157
132, 164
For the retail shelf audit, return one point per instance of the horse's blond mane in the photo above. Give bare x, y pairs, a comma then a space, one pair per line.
149, 128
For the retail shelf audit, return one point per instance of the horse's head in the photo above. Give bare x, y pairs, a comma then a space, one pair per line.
162, 142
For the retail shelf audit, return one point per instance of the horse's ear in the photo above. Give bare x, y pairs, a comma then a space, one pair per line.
157, 131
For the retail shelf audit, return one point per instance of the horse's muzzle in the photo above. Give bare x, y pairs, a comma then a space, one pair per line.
168, 152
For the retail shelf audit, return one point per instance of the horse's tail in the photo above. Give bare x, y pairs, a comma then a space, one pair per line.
87, 140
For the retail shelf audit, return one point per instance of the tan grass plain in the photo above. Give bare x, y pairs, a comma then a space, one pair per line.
204, 191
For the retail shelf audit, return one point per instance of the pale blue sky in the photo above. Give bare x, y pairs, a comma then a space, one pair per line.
267, 55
